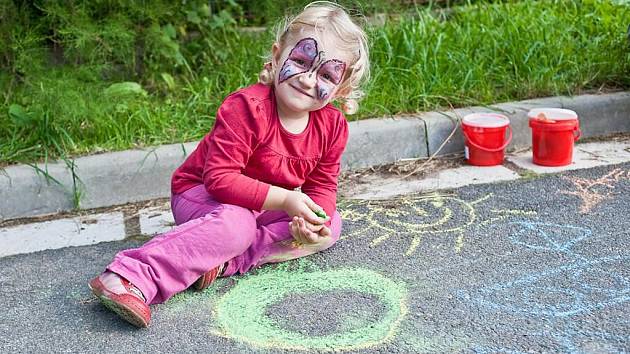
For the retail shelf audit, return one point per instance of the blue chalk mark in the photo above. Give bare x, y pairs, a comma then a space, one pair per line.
624, 283
567, 340
580, 286
550, 239
518, 296
488, 350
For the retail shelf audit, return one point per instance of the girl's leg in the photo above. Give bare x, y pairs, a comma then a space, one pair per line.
171, 262
273, 243
192, 204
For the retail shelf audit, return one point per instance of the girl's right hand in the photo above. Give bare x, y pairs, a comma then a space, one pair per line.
299, 204
306, 233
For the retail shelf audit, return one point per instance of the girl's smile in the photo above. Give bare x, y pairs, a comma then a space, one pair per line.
300, 90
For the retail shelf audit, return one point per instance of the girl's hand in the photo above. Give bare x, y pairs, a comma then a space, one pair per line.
305, 232
325, 231
299, 204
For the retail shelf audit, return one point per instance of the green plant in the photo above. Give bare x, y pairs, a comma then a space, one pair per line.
67, 94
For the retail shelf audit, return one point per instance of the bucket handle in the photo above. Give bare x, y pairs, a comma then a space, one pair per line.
577, 136
509, 139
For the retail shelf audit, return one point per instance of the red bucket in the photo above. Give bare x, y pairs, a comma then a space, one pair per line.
554, 130
484, 138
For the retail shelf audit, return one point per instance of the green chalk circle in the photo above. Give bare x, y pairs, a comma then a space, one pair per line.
241, 312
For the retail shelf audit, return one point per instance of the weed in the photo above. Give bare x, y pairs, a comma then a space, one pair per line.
117, 75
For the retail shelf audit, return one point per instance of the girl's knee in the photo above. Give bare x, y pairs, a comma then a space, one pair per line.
335, 230
332, 239
327, 243
234, 225
335, 226
240, 217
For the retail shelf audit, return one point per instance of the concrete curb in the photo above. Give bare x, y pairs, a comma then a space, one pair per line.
146, 219
136, 175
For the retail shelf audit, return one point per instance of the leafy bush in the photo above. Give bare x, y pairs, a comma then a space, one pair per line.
99, 75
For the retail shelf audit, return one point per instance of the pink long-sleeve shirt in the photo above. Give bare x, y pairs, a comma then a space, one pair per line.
248, 150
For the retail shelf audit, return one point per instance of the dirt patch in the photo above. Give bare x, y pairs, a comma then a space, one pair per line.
404, 169
131, 211
613, 138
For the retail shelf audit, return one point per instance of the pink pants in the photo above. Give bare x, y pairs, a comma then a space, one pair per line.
209, 233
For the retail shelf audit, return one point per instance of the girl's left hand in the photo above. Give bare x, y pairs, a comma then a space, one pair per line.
305, 232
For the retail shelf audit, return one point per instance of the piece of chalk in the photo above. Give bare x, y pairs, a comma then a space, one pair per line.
321, 214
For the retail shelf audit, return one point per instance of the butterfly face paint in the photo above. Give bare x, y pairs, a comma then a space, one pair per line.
329, 75
304, 58
300, 59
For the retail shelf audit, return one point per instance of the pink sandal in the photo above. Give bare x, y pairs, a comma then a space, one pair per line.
123, 298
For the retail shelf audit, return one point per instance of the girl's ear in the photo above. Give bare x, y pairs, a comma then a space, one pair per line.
342, 92
275, 54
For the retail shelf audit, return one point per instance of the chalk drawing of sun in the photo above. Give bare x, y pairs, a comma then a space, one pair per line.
418, 217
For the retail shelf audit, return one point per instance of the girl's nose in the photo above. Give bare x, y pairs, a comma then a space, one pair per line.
307, 79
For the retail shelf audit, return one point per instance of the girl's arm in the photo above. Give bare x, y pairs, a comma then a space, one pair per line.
236, 132
275, 198
321, 183
294, 203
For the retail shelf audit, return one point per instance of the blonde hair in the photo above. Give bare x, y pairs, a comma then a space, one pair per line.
327, 15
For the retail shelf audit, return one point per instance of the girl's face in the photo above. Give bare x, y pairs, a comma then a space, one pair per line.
309, 70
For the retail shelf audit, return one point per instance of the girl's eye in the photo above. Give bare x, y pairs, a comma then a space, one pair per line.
299, 61
327, 77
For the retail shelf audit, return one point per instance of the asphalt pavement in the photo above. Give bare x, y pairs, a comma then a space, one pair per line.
537, 264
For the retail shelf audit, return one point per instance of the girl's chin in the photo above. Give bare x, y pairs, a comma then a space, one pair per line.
298, 104
308, 108
299, 107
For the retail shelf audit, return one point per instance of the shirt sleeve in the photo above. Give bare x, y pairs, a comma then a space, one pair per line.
235, 135
321, 184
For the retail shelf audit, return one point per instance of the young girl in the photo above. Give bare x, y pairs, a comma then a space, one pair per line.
235, 199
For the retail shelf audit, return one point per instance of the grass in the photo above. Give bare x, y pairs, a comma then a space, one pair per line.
490, 53
472, 54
